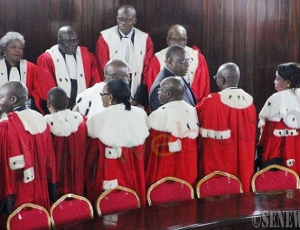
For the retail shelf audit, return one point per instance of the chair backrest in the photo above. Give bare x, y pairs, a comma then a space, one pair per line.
218, 183
70, 209
117, 200
169, 189
29, 216
274, 177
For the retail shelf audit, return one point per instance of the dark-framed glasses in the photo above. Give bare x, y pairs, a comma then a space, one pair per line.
69, 41
117, 76
181, 39
104, 94
127, 20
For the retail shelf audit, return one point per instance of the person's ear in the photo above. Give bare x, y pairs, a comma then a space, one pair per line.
169, 61
134, 21
14, 99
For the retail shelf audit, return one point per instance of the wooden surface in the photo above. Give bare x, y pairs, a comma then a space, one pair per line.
256, 34
222, 212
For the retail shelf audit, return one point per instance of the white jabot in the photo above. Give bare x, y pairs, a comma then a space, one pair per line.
71, 66
127, 52
14, 74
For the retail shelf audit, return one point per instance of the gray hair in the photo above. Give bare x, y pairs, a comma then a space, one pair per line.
7, 38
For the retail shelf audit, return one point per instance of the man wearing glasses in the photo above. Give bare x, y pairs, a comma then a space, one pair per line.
176, 65
129, 44
197, 76
67, 65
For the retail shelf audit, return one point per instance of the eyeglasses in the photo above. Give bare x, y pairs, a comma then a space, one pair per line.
182, 61
104, 94
69, 41
181, 39
117, 76
127, 20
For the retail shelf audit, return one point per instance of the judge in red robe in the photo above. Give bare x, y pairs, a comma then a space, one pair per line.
227, 128
69, 133
279, 120
116, 152
131, 45
27, 163
198, 74
172, 149
67, 65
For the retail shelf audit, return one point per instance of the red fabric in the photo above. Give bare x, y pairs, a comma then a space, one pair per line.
70, 155
102, 54
285, 147
201, 83
234, 155
71, 211
128, 169
30, 218
41, 149
170, 191
216, 186
162, 163
46, 72
117, 201
275, 180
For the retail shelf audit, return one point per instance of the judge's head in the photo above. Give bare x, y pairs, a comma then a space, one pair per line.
287, 76
11, 47
57, 100
117, 69
67, 40
12, 95
126, 18
177, 60
171, 89
228, 75
116, 91
177, 36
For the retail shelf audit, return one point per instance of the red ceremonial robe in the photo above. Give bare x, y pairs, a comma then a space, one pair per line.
69, 133
279, 120
116, 152
197, 77
227, 134
171, 146
27, 161
47, 73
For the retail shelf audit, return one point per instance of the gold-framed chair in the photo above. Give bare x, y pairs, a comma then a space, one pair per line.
117, 200
274, 177
218, 183
169, 189
29, 216
70, 209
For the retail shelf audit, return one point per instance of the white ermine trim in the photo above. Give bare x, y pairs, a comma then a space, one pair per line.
175, 146
290, 162
219, 135
28, 175
16, 162
110, 184
113, 153
285, 132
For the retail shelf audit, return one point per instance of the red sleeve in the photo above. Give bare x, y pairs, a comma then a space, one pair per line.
154, 69
102, 53
148, 56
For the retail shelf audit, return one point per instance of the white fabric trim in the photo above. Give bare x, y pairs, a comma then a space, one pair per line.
63, 123
117, 127
3, 71
61, 71
112, 38
290, 162
215, 134
176, 117
174, 146
285, 132
110, 184
283, 105
32, 121
28, 175
193, 65
236, 98
16, 162
113, 153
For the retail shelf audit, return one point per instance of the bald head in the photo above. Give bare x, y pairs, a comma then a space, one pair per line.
57, 99
65, 30
177, 36
228, 75
116, 69
12, 95
171, 89
127, 9
126, 18
67, 40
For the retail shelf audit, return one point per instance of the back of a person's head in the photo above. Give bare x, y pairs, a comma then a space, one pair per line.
174, 50
231, 72
290, 71
58, 99
120, 91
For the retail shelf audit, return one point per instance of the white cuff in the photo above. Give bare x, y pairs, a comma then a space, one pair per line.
113, 153
110, 184
175, 146
16, 162
215, 134
290, 162
285, 132
28, 175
